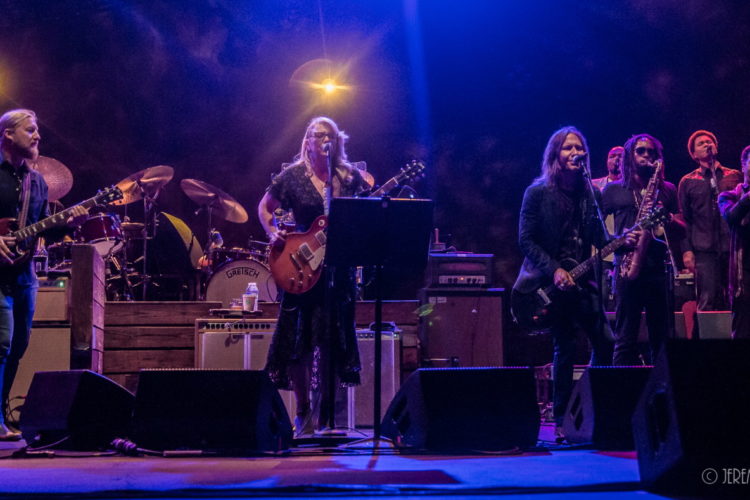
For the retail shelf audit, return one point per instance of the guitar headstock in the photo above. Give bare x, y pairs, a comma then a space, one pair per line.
108, 195
654, 216
412, 170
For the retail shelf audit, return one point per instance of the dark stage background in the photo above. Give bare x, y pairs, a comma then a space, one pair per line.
474, 88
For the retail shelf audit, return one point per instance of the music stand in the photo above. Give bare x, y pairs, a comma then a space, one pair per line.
378, 232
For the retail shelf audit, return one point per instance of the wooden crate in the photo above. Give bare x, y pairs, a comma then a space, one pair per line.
141, 335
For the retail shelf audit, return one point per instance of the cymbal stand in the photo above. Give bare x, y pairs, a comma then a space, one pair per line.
207, 249
149, 229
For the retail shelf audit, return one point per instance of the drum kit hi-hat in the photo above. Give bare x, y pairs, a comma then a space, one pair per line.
160, 258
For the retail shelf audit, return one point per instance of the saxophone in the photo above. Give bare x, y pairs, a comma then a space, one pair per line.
630, 265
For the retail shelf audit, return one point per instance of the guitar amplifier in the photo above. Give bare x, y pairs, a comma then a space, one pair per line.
232, 343
360, 398
242, 344
236, 344
459, 269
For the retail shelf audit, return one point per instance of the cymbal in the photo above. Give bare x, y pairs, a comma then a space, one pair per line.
58, 177
147, 181
132, 226
221, 204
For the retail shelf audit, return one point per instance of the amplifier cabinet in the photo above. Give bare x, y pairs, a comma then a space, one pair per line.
236, 344
242, 344
461, 327
459, 269
49, 350
233, 344
52, 301
361, 398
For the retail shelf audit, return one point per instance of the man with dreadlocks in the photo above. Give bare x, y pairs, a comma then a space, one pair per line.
650, 289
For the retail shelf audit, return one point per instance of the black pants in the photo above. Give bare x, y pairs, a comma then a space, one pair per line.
649, 292
741, 311
574, 310
711, 280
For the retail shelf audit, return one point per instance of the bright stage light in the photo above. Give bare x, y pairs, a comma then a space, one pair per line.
324, 78
328, 86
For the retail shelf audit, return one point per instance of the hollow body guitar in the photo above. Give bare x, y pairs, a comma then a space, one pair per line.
297, 263
26, 236
531, 311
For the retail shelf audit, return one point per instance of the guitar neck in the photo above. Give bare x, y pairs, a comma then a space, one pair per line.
52, 221
587, 264
610, 247
385, 188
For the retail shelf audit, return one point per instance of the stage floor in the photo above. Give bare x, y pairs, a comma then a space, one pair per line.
551, 470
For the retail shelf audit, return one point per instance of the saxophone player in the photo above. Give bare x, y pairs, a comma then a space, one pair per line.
649, 289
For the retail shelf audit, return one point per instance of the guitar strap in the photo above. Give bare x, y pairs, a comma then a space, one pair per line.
26, 194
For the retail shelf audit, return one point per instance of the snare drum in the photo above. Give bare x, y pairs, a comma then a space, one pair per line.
230, 281
218, 257
103, 232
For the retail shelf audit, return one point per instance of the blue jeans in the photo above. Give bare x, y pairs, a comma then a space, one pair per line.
16, 312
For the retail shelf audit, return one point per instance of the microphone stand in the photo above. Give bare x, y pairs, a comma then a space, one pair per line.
329, 384
717, 221
598, 268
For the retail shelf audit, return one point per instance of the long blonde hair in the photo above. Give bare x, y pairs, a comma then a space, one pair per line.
11, 119
339, 160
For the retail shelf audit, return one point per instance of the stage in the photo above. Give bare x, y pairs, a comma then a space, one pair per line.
311, 471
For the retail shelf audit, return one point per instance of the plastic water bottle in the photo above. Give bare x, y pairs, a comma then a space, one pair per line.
40, 260
250, 298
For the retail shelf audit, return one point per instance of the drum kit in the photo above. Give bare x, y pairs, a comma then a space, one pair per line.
160, 258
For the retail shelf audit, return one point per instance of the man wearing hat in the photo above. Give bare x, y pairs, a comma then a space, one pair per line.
706, 250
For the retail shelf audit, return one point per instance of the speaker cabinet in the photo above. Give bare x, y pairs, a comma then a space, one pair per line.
461, 327
87, 408
49, 350
689, 424
602, 404
229, 412
445, 409
360, 398
714, 324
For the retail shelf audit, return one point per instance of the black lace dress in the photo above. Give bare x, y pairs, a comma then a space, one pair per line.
301, 327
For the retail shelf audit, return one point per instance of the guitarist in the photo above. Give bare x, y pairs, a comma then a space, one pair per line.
19, 186
556, 225
296, 356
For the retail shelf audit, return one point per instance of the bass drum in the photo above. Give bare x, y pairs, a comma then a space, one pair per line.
230, 281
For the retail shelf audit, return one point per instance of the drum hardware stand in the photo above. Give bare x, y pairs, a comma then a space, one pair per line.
127, 288
214, 240
150, 226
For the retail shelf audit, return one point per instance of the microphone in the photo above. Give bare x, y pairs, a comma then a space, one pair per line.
580, 159
327, 147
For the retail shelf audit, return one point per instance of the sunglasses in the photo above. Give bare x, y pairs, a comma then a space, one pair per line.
642, 150
320, 135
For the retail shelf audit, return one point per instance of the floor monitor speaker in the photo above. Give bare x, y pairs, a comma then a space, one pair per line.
78, 408
465, 409
228, 412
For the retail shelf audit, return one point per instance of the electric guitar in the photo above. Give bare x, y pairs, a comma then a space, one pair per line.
297, 263
531, 310
26, 236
